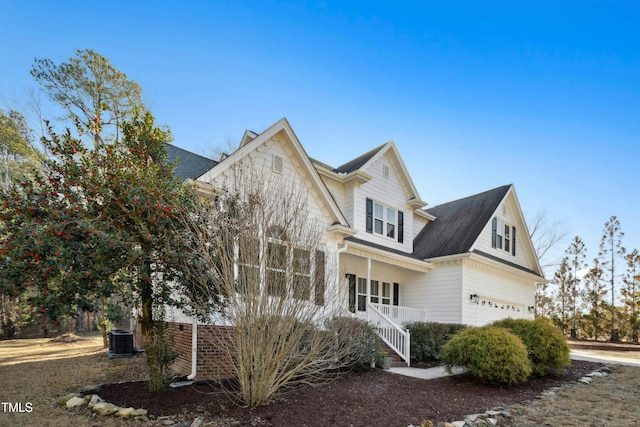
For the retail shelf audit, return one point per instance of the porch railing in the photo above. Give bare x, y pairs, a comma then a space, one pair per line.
391, 333
401, 315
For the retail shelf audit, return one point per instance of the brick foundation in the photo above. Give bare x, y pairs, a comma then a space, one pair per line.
212, 358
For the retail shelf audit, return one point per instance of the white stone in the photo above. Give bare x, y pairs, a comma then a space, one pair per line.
138, 412
458, 423
585, 380
492, 421
492, 413
75, 401
124, 412
94, 399
105, 408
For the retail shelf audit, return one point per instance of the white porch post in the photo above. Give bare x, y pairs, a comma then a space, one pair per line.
368, 288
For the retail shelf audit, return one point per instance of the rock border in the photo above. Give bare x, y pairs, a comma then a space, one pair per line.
493, 416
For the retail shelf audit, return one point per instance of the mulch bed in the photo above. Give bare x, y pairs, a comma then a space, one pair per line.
355, 399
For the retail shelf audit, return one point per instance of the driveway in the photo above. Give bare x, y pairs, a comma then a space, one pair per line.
629, 358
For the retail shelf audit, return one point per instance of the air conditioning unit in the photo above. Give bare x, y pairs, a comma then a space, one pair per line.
120, 342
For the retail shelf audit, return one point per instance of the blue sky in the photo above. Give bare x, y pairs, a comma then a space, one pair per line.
544, 95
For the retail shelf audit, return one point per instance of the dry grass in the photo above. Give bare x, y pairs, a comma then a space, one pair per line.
608, 401
39, 371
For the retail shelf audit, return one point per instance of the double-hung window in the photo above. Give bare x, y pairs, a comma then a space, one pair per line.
503, 236
384, 221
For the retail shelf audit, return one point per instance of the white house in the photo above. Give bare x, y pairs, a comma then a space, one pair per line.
469, 261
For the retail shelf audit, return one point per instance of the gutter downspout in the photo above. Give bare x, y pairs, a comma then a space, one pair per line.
194, 349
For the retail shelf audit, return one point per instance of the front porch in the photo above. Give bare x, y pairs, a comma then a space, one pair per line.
374, 280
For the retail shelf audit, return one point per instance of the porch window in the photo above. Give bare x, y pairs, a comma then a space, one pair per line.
386, 293
362, 294
375, 291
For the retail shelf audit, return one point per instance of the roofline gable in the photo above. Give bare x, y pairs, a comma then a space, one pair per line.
527, 235
252, 141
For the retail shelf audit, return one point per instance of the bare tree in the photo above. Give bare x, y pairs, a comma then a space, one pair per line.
545, 234
266, 254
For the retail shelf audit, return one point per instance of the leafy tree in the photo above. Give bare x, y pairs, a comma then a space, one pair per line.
18, 153
576, 253
631, 292
95, 96
92, 215
610, 249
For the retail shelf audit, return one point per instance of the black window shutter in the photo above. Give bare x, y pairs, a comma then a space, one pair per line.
494, 231
396, 293
513, 241
351, 278
369, 216
319, 279
400, 227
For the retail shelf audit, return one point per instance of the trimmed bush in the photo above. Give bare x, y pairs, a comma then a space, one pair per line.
427, 339
356, 341
548, 351
491, 355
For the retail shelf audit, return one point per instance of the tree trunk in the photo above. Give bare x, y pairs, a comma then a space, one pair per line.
155, 365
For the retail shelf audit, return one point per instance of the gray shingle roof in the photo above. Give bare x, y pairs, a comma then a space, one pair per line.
458, 224
190, 165
358, 162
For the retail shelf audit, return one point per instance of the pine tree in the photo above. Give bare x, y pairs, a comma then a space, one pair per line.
631, 293
563, 279
593, 296
576, 253
610, 250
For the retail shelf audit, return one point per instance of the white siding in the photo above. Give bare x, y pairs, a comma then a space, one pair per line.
438, 291
523, 255
418, 225
389, 192
495, 289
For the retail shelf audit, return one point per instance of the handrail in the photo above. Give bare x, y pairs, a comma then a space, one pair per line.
393, 335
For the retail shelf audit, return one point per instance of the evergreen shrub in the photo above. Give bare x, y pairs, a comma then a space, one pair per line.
491, 355
427, 339
356, 341
548, 351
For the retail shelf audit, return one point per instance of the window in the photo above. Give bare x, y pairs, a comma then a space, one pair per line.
286, 270
386, 293
362, 294
384, 221
503, 236
375, 291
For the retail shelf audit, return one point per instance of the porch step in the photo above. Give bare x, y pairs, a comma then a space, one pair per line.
398, 362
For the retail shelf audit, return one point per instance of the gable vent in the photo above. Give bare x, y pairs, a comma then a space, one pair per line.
385, 171
277, 164
504, 210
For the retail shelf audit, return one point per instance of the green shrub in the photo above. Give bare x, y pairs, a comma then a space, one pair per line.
427, 339
548, 351
491, 355
356, 342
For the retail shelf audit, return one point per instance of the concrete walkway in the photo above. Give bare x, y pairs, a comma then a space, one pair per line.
630, 358
425, 374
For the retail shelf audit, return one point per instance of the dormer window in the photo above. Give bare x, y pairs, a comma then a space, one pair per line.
503, 236
384, 221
